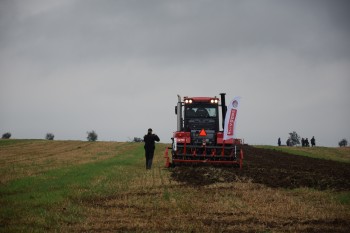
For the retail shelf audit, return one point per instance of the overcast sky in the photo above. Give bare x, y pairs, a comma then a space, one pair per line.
116, 67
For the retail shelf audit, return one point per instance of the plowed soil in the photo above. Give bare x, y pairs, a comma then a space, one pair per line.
274, 169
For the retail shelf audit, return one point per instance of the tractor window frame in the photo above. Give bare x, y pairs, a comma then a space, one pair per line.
211, 109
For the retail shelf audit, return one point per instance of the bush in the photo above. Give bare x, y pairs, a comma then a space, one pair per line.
6, 135
343, 142
49, 136
294, 139
136, 139
92, 136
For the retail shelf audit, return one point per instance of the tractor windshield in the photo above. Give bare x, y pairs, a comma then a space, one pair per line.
201, 116
201, 111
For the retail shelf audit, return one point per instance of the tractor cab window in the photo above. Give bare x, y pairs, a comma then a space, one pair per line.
200, 111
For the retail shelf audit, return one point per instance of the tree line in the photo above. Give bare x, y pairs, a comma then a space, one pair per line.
91, 136
293, 139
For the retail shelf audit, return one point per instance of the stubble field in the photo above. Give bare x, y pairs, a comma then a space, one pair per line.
74, 186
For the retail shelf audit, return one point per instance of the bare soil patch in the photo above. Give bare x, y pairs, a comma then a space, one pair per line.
274, 169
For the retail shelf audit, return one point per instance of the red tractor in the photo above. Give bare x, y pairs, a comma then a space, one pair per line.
198, 138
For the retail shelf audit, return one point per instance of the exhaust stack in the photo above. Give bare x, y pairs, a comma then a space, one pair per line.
223, 108
179, 114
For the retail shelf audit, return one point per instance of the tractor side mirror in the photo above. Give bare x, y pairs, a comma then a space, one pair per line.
175, 110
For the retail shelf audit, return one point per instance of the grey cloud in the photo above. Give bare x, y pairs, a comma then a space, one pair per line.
178, 31
117, 59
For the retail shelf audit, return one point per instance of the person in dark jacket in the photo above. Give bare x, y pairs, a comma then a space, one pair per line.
307, 142
313, 141
150, 146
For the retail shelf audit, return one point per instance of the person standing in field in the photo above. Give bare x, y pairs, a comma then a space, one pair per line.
307, 142
150, 146
279, 141
313, 141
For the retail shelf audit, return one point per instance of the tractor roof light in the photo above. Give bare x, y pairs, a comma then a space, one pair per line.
188, 101
214, 101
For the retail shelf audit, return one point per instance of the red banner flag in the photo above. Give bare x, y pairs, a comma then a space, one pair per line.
230, 118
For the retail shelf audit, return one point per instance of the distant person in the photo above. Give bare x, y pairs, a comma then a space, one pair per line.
313, 141
279, 141
307, 142
150, 146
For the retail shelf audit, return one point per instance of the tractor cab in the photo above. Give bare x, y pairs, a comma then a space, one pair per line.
201, 119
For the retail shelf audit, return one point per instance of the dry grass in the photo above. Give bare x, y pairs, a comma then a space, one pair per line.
32, 157
240, 207
154, 203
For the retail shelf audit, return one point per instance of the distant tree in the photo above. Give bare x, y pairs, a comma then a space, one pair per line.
92, 136
6, 135
136, 139
49, 136
294, 139
343, 142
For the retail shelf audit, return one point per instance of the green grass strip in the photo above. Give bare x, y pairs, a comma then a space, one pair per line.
7, 142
